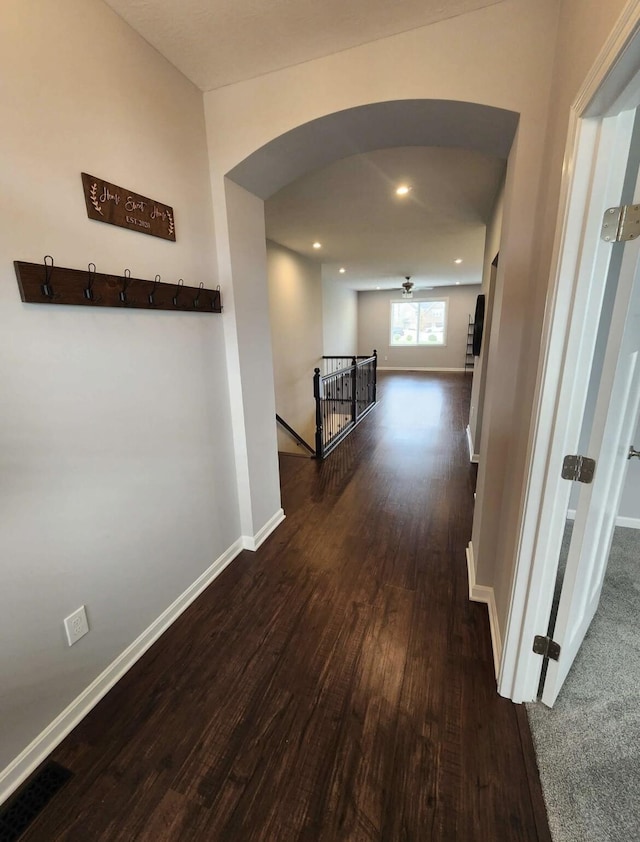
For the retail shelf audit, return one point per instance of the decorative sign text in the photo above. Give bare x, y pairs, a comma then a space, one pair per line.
107, 202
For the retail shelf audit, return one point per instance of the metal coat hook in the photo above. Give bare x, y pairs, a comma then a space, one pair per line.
156, 281
175, 297
88, 291
47, 289
125, 283
44, 282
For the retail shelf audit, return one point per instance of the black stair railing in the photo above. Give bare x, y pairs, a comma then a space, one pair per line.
344, 394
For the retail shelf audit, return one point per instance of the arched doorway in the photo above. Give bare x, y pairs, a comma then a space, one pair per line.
307, 147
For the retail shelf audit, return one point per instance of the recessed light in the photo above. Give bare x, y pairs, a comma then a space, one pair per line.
317, 245
458, 260
342, 270
377, 287
402, 190
457, 283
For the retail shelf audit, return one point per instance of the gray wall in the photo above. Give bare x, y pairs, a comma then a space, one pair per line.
295, 311
478, 388
374, 309
339, 318
118, 479
310, 315
630, 503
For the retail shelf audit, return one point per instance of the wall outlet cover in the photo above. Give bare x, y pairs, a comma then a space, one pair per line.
76, 625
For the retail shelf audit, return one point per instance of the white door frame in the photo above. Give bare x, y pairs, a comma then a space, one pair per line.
579, 264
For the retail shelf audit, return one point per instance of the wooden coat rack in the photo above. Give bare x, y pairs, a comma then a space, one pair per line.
45, 283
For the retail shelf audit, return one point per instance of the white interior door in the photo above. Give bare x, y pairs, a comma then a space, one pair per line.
614, 424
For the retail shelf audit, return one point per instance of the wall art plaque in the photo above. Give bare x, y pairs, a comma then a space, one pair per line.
107, 202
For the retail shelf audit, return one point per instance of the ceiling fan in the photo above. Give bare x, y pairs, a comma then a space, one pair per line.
408, 286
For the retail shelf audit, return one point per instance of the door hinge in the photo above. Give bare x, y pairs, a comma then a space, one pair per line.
621, 224
546, 647
578, 468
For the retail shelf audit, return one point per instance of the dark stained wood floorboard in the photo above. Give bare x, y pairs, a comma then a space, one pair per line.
335, 686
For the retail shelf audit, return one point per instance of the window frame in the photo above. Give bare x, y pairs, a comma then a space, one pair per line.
418, 344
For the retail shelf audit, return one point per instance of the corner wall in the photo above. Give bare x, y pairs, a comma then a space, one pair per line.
479, 386
247, 328
295, 307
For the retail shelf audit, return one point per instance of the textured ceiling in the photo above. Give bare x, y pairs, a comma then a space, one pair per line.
351, 207
218, 42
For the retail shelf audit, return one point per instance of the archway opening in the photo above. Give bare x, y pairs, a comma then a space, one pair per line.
302, 150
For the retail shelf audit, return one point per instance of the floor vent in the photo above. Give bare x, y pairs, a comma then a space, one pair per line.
18, 813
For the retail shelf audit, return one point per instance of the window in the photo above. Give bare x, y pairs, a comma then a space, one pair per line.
419, 323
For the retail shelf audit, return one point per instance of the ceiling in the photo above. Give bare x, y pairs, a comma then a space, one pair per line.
376, 125
219, 42
351, 208
345, 200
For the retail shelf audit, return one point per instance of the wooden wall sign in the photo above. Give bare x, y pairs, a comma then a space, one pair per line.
107, 202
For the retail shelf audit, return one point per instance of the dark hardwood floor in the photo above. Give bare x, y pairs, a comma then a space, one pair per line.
335, 685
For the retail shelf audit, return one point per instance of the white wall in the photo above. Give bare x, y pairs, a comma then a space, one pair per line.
583, 30
339, 318
246, 330
295, 307
479, 385
118, 483
374, 309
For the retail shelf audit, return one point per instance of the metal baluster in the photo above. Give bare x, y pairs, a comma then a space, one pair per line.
316, 394
375, 375
354, 390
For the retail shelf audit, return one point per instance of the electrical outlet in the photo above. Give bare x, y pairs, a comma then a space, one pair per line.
76, 625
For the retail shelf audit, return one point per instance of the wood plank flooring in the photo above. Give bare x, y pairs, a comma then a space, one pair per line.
337, 684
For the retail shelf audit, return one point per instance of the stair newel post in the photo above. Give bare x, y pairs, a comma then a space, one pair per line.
375, 374
316, 395
354, 390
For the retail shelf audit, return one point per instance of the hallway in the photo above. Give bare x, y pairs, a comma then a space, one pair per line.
337, 684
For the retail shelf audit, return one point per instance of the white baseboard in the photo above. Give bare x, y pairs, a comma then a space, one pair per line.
38, 750
473, 457
415, 368
628, 522
252, 542
482, 593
